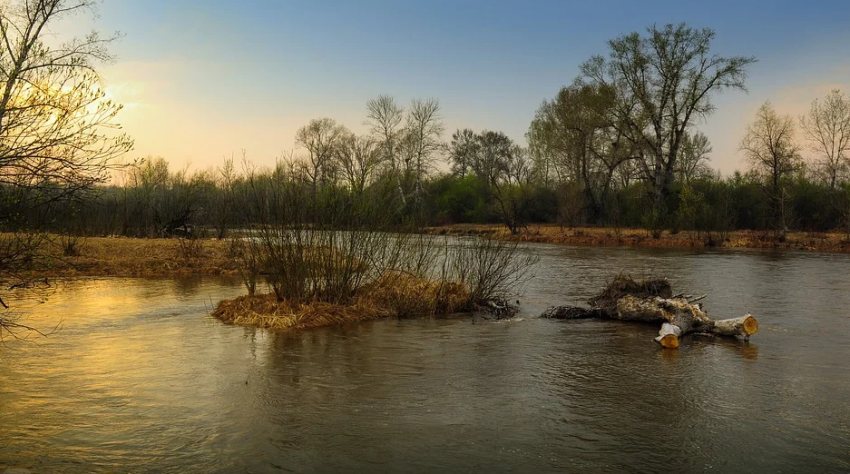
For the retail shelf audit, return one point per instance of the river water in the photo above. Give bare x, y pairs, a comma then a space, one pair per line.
140, 379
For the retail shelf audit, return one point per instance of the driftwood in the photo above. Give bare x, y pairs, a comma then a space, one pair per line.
500, 308
652, 301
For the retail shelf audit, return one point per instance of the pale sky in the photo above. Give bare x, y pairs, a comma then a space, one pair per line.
202, 80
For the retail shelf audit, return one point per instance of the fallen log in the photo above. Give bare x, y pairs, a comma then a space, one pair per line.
652, 301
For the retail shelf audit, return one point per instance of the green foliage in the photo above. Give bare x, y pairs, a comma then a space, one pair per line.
459, 200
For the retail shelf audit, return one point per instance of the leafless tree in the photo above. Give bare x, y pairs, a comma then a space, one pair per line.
422, 143
827, 129
512, 188
385, 119
54, 115
359, 160
57, 128
322, 139
773, 155
693, 160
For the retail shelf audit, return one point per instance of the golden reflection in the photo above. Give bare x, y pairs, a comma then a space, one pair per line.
670, 354
749, 351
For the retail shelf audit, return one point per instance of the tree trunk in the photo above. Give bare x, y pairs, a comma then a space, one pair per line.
651, 301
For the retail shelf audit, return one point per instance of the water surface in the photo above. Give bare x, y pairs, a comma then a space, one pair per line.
140, 379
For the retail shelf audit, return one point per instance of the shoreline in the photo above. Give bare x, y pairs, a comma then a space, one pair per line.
629, 237
168, 257
130, 257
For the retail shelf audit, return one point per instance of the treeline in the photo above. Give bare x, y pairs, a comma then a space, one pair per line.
155, 202
617, 147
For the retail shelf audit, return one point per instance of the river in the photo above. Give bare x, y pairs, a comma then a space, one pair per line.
139, 378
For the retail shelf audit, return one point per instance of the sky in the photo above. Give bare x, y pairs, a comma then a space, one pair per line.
204, 80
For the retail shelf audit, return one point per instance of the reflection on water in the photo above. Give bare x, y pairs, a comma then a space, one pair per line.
140, 379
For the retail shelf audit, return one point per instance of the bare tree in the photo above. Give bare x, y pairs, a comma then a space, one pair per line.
664, 81
827, 128
222, 208
322, 139
359, 160
423, 131
695, 151
57, 128
512, 188
54, 115
385, 118
773, 155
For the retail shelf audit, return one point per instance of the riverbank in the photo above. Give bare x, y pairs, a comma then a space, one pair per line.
133, 257
604, 236
139, 257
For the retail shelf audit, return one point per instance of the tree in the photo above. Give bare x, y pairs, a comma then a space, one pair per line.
578, 130
512, 189
462, 151
494, 152
57, 128
359, 159
222, 203
827, 128
422, 142
694, 156
663, 82
773, 155
385, 119
322, 139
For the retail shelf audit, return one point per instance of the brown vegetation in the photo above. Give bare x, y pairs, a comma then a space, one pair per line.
607, 236
395, 295
129, 257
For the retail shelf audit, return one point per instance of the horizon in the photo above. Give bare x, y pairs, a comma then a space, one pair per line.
490, 65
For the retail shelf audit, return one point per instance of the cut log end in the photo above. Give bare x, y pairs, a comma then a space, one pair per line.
669, 341
750, 326
668, 336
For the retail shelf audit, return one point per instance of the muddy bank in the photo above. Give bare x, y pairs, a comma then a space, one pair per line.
606, 236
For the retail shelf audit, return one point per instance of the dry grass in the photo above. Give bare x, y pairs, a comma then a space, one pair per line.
265, 311
128, 257
408, 296
602, 236
396, 295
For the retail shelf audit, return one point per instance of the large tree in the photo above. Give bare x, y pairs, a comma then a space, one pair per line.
827, 129
57, 128
664, 81
503, 168
577, 129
